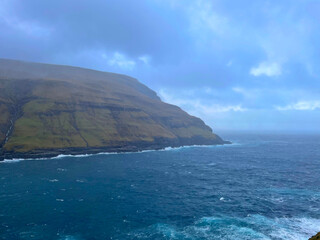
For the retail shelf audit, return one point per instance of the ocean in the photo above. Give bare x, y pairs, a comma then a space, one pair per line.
260, 187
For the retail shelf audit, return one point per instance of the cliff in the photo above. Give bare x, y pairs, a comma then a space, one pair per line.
46, 110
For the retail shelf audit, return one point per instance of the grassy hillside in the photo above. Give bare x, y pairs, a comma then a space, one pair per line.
60, 107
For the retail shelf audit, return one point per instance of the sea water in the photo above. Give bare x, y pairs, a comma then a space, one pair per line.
260, 187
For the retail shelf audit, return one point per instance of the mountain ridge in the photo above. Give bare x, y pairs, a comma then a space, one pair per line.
47, 110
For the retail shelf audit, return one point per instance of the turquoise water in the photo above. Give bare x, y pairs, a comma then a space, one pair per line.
260, 187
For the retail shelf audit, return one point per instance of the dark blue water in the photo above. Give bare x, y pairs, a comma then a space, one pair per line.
261, 187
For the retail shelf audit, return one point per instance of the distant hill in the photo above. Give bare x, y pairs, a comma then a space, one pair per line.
46, 110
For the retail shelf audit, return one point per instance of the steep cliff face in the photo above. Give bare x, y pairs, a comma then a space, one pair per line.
50, 109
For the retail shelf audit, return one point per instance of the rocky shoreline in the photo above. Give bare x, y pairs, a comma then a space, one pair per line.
50, 153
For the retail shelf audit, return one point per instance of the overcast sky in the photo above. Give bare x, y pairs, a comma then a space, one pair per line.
239, 65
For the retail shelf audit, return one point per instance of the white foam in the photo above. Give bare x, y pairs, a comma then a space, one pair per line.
61, 169
60, 156
53, 180
297, 228
252, 227
15, 160
212, 164
68, 237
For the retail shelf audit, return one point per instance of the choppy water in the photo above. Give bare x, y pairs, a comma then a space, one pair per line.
261, 187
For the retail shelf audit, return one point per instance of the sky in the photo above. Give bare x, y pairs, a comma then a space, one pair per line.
239, 65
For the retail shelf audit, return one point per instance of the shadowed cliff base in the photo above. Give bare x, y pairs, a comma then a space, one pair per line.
47, 110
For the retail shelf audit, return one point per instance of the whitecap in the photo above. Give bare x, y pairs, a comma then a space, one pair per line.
61, 169
14, 160
212, 164
69, 237
60, 156
252, 227
53, 180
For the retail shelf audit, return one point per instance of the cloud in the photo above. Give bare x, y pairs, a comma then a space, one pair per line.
203, 17
197, 107
131, 28
29, 28
125, 63
268, 69
301, 106
209, 53
121, 61
145, 59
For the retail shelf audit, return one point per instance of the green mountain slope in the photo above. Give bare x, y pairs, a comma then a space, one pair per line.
47, 109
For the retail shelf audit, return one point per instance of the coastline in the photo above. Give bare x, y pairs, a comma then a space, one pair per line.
74, 152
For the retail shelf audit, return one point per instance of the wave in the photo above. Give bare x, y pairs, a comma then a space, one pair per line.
69, 237
251, 227
233, 144
15, 160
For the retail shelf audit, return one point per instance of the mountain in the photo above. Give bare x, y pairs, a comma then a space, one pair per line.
47, 110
